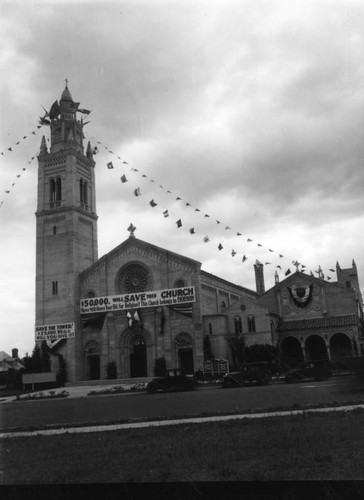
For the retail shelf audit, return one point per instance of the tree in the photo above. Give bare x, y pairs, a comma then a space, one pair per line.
237, 346
207, 351
111, 370
36, 360
160, 367
45, 357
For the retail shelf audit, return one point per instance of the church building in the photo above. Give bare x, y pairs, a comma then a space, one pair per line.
139, 302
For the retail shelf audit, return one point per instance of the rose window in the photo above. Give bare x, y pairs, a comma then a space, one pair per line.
134, 278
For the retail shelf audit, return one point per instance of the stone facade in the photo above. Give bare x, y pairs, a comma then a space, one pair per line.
302, 314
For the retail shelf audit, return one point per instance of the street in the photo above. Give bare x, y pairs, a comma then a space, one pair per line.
203, 401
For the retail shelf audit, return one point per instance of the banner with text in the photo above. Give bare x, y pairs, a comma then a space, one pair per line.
55, 332
167, 297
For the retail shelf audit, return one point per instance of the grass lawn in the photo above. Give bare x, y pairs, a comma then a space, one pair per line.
306, 447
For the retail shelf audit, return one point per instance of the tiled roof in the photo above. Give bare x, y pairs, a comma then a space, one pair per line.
304, 324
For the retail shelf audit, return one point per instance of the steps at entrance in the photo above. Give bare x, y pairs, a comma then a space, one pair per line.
119, 381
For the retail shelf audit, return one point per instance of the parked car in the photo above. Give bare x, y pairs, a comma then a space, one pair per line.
175, 379
311, 370
251, 373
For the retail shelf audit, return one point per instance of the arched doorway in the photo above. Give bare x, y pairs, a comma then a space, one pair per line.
138, 357
315, 348
340, 346
291, 351
184, 345
92, 351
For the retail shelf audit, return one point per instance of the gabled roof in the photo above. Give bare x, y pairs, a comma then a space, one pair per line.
299, 275
132, 240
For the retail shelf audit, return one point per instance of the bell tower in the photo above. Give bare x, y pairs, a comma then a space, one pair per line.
66, 234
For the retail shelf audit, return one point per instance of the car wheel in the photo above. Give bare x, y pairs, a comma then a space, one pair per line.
152, 388
189, 385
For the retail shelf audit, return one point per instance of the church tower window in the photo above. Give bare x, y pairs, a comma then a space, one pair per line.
83, 193
55, 192
55, 287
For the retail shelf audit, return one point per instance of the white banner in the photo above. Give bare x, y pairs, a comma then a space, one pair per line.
55, 332
167, 297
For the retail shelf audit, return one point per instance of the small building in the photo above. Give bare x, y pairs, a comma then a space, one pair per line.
10, 368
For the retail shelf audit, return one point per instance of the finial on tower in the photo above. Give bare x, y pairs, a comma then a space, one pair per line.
66, 80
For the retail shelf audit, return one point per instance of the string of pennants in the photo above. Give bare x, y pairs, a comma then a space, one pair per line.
193, 230
153, 203
10, 150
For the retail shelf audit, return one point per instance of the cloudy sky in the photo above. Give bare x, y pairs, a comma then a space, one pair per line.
251, 111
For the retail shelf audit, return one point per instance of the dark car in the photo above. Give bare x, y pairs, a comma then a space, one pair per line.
250, 373
311, 370
175, 379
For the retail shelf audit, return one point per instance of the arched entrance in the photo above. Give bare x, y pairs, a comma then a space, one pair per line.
92, 352
138, 356
291, 350
315, 348
184, 345
340, 346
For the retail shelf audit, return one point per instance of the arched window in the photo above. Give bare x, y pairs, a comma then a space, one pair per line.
55, 192
238, 326
251, 323
83, 193
180, 283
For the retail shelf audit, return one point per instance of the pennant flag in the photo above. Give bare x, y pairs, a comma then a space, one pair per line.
24, 168
137, 192
110, 165
165, 213
151, 180
7, 192
192, 230
178, 198
18, 175
267, 263
188, 204
249, 240
238, 234
287, 272
84, 111
54, 111
129, 318
25, 137
34, 132
206, 215
109, 151
125, 162
169, 192
9, 149
233, 253
144, 175
220, 247
227, 227
332, 270
281, 256
44, 121
153, 203
206, 239
136, 316
197, 210
244, 258
259, 245
123, 178
179, 223
17, 143
271, 250
279, 267
217, 222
